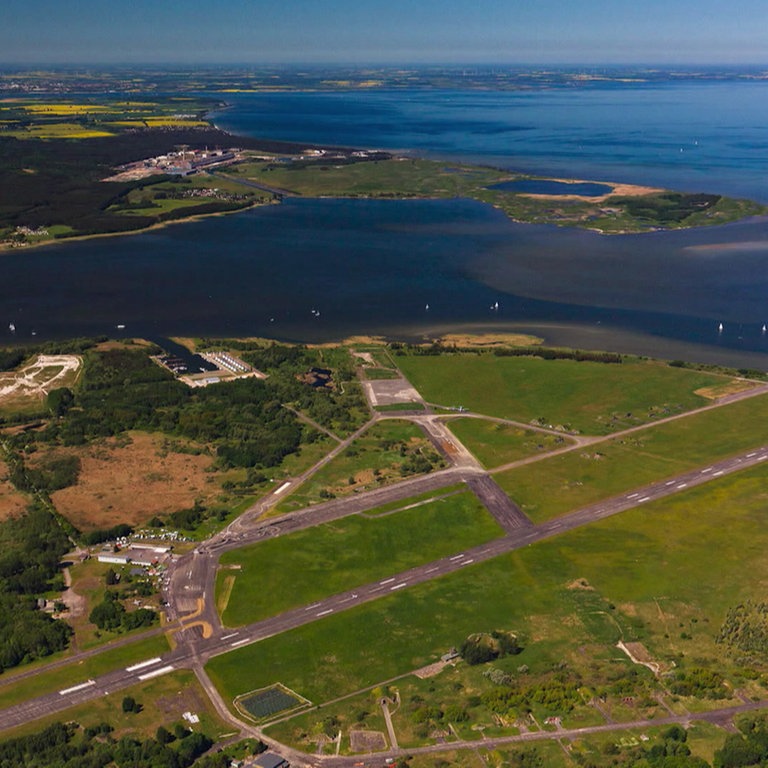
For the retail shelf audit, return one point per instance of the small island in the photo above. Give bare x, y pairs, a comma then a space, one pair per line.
99, 165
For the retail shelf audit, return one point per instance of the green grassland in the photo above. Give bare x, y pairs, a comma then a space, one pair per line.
162, 198
649, 575
341, 555
494, 443
587, 397
12, 692
403, 177
387, 452
163, 701
556, 485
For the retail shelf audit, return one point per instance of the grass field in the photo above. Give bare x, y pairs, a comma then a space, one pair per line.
494, 443
646, 575
592, 398
72, 674
163, 701
388, 178
340, 555
559, 484
380, 456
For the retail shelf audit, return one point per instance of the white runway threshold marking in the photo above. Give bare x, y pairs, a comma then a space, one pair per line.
325, 612
76, 688
399, 586
157, 672
282, 488
143, 664
238, 642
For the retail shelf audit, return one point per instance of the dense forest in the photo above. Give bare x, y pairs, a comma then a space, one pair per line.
49, 182
68, 746
31, 548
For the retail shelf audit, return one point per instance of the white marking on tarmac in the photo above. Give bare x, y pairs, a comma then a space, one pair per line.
231, 634
683, 485
399, 586
432, 570
762, 458
718, 473
387, 581
238, 642
75, 688
143, 664
467, 562
670, 482
632, 495
750, 455
325, 612
457, 557
282, 488
314, 605
645, 498
157, 672
708, 469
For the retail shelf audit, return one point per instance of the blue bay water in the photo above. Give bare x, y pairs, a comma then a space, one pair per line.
372, 267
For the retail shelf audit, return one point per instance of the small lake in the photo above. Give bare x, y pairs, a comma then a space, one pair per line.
550, 187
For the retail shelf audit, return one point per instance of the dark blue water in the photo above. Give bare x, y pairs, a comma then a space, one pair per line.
316, 270
702, 137
319, 270
549, 187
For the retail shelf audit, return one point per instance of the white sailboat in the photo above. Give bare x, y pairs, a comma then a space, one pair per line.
720, 328
11, 327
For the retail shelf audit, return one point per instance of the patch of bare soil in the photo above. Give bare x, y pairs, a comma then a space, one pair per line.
367, 741
12, 503
131, 483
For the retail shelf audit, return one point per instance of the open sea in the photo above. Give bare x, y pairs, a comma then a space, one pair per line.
317, 270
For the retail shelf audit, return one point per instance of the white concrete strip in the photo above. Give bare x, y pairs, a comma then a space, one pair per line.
143, 664
157, 672
282, 488
76, 688
325, 612
399, 586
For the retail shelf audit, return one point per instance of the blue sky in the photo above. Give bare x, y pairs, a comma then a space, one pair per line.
386, 32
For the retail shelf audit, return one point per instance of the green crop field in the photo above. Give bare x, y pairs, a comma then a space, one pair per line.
341, 555
556, 485
588, 397
664, 574
494, 443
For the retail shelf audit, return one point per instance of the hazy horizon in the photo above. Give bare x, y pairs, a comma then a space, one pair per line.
360, 32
